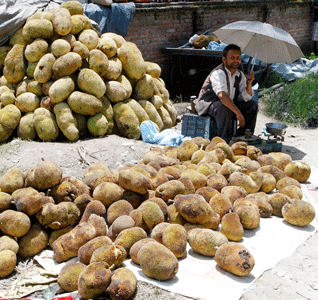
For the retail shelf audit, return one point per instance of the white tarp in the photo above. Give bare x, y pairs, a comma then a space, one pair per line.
299, 69
198, 276
270, 243
13, 14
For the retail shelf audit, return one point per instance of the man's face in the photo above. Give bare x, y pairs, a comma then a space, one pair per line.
232, 59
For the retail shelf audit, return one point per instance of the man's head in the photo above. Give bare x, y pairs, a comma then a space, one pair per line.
232, 57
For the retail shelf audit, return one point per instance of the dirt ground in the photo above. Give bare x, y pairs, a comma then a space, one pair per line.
290, 279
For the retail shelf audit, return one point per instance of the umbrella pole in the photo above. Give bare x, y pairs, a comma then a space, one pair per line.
254, 61
249, 64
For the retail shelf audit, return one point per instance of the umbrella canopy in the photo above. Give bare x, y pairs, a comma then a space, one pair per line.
271, 44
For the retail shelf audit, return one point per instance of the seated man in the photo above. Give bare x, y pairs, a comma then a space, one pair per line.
226, 94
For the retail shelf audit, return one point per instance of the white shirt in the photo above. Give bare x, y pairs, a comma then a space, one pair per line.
219, 84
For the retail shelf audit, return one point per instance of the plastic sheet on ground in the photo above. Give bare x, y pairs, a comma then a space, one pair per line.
298, 69
271, 242
198, 276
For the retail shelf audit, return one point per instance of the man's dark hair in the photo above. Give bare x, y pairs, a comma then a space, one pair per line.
230, 47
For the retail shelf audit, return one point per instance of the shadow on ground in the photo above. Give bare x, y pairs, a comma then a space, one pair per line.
295, 153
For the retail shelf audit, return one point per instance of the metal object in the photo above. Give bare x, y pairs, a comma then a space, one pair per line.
276, 128
248, 134
274, 135
252, 140
265, 145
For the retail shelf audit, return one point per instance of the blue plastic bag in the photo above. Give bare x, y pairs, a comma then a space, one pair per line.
150, 134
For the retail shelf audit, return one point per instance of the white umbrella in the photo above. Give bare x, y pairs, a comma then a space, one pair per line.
271, 44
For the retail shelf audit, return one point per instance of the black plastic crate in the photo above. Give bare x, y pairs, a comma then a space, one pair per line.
194, 125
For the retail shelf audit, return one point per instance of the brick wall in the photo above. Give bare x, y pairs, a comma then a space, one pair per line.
156, 25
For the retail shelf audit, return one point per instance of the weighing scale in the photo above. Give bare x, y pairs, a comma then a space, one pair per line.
271, 142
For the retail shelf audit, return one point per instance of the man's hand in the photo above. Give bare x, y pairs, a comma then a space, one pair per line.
240, 119
250, 77
225, 99
249, 80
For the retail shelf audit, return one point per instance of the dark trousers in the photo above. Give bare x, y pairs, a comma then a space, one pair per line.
224, 118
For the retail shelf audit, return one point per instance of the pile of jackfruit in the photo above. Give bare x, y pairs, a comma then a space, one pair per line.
61, 78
